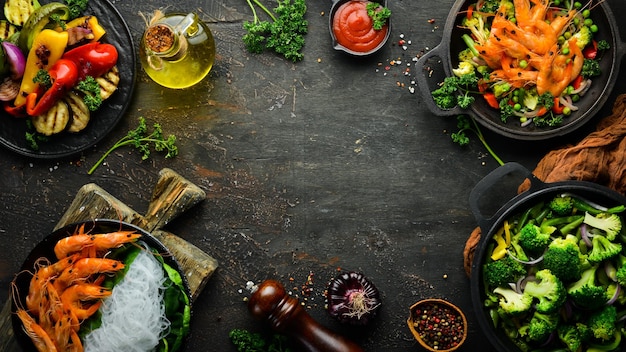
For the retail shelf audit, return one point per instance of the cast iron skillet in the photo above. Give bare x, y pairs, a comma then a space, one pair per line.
45, 248
589, 105
538, 191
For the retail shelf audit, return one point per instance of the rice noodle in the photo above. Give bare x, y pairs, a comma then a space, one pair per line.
133, 317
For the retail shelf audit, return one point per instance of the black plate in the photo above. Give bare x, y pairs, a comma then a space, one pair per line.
45, 249
12, 130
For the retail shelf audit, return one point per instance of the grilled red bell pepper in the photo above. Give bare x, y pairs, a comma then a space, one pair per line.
93, 59
64, 76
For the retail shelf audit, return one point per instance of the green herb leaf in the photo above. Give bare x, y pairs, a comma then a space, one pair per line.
379, 15
143, 141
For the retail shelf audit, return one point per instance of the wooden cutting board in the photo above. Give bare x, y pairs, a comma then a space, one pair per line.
172, 196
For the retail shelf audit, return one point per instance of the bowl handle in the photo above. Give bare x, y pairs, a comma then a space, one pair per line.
488, 182
439, 51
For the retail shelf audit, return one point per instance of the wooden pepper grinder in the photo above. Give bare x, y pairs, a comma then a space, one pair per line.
271, 303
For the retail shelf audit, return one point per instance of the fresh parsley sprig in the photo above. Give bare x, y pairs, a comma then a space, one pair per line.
379, 14
284, 33
142, 141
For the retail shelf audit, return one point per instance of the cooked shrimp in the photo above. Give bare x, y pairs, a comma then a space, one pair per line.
91, 244
37, 334
84, 268
44, 273
75, 298
107, 241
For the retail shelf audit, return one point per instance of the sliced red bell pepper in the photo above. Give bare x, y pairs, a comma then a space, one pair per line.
93, 59
15, 111
557, 108
591, 51
491, 100
64, 76
577, 82
470, 11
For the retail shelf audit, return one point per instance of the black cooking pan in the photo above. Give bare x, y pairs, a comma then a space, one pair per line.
489, 225
452, 43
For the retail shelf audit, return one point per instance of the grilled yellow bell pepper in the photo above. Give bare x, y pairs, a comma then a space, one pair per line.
89, 22
48, 47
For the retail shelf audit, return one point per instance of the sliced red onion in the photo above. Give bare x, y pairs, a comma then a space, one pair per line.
16, 59
585, 235
567, 101
527, 262
618, 289
9, 88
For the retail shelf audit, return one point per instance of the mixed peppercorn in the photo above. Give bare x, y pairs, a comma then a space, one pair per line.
438, 325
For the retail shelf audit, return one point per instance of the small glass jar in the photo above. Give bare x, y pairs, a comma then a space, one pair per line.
177, 50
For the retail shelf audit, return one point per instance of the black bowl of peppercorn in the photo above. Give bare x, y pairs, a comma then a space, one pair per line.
437, 325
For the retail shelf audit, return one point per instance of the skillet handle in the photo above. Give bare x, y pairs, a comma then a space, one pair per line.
440, 51
485, 185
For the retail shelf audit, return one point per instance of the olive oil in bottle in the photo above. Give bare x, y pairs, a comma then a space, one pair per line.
177, 50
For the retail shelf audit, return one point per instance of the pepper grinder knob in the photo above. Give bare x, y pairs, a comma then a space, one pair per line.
271, 303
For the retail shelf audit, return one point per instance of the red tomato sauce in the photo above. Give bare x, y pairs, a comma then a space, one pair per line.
353, 27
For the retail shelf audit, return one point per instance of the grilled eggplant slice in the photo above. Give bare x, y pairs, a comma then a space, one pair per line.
54, 120
80, 114
108, 82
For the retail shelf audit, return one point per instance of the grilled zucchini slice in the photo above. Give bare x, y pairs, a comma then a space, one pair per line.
18, 11
108, 82
79, 112
54, 120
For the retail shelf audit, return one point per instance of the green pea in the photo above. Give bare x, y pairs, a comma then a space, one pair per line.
517, 107
565, 50
586, 13
523, 63
588, 22
515, 99
575, 98
577, 5
567, 35
523, 119
561, 39
567, 111
593, 28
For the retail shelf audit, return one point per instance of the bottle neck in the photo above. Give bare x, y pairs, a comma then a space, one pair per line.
164, 43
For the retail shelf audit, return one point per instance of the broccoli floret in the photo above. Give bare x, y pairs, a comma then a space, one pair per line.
548, 289
500, 88
512, 302
603, 249
503, 271
467, 55
611, 224
611, 291
584, 36
602, 323
573, 335
564, 259
585, 292
534, 239
591, 68
620, 274
91, 90
540, 326
476, 25
463, 68
561, 205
